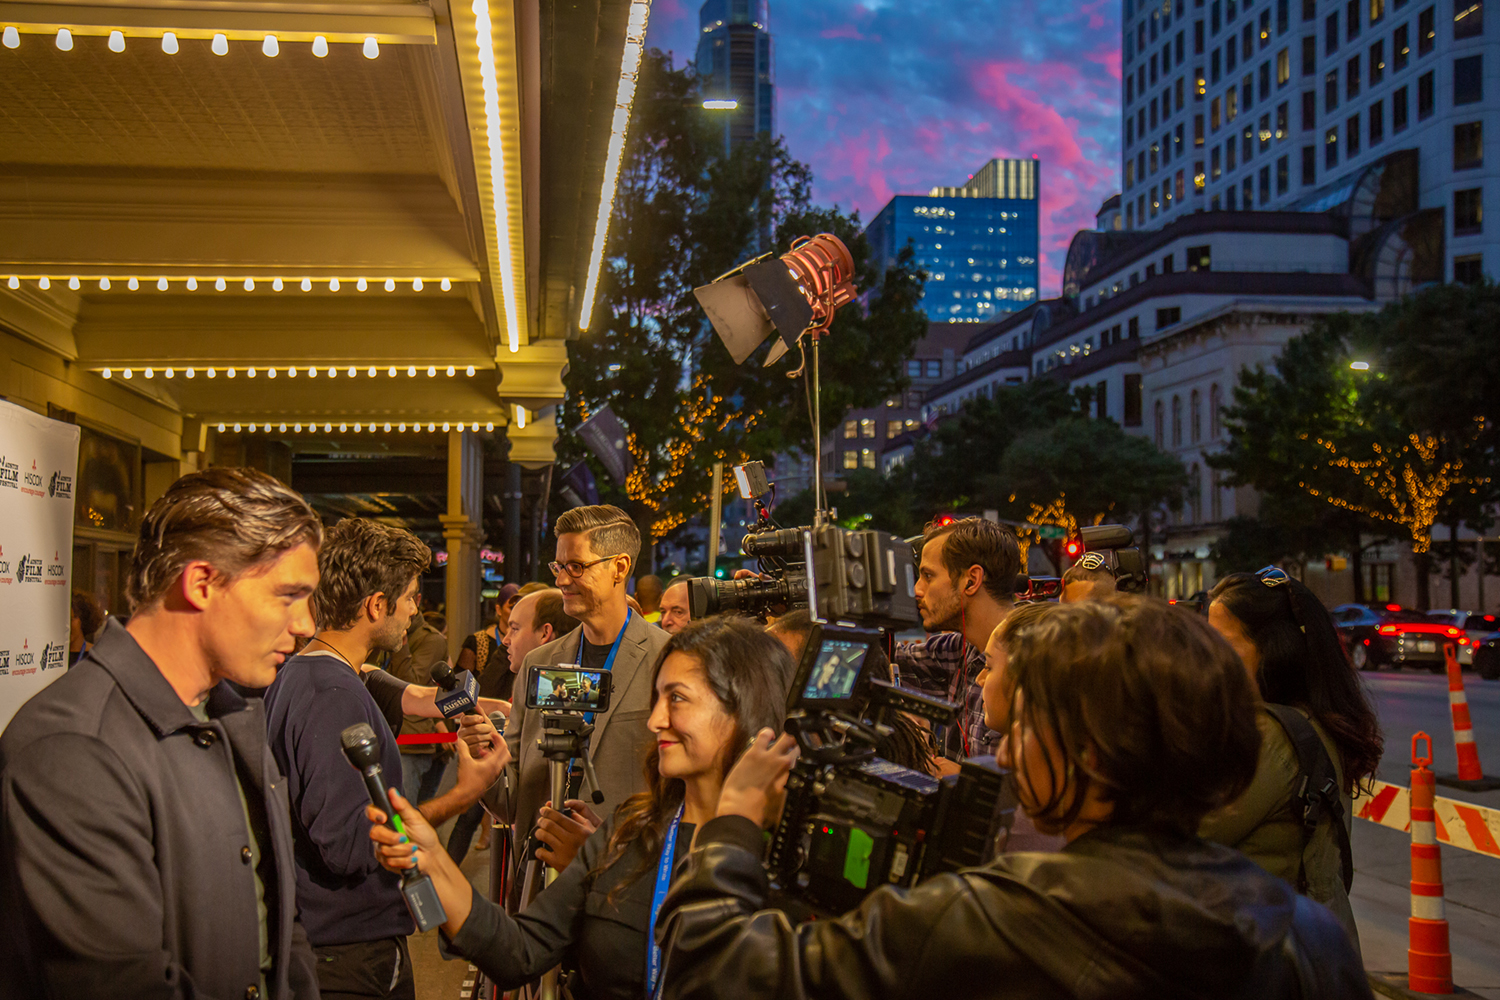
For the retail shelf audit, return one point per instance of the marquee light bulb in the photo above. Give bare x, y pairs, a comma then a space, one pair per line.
150, 373
387, 428
520, 418
169, 46
249, 372
445, 284
489, 426
361, 284
104, 284
107, 373
212, 373
311, 371
229, 373
73, 283
356, 428
65, 39
432, 427
432, 371
219, 285
132, 284
12, 37
445, 428
416, 284
450, 371
327, 428
44, 283
297, 428
391, 371
236, 428
353, 372
117, 41
390, 284
192, 284
270, 373
306, 284
411, 372
401, 428
220, 45
372, 47
129, 373
190, 373
221, 428
281, 428
161, 284
171, 373
249, 284
370, 372
469, 371
320, 46
476, 427
13, 282
333, 284
269, 47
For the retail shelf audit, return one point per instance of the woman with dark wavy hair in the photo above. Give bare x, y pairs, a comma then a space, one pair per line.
719, 681
1289, 645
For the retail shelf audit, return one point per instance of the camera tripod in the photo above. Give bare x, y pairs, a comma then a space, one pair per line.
565, 738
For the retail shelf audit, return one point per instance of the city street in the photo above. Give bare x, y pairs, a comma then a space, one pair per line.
1407, 702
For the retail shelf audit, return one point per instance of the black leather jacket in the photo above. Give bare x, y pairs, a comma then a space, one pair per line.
1118, 914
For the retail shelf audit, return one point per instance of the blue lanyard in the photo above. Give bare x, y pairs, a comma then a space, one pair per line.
609, 661
663, 882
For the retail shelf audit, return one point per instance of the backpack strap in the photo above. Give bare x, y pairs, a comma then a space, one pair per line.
1317, 789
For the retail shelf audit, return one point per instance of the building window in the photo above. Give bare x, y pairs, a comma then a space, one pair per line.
1215, 496
851, 429
1401, 47
1213, 114
1426, 31
1331, 34
1197, 130
1101, 400
1330, 90
1200, 179
1200, 85
1133, 326
1200, 258
1309, 10
851, 459
1330, 149
1468, 80
1265, 28
1215, 67
1215, 163
1377, 122
1229, 198
1247, 193
1468, 212
1176, 421
1265, 80
1155, 202
1351, 136
1247, 91
1309, 109
1160, 424
1231, 104
1282, 124
1309, 165
1166, 317
1352, 79
1195, 416
1231, 157
1351, 26
1133, 400
1309, 56
914, 368
867, 428
1468, 18
1265, 184
1265, 132
1215, 403
1377, 11
1195, 494
1283, 175
1283, 67
867, 458
1180, 189
934, 368
1377, 63
1398, 110
1424, 95
1468, 146
1247, 145
1467, 270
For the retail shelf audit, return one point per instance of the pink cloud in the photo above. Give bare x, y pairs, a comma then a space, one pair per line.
847, 31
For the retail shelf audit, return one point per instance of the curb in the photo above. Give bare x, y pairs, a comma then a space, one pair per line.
1393, 984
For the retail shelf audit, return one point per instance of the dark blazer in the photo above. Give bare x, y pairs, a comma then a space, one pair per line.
124, 857
620, 740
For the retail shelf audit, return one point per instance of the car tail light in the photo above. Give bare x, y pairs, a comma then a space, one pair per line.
1388, 630
1393, 607
1452, 631
1367, 642
1463, 642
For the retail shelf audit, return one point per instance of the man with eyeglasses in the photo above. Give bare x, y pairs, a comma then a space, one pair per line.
596, 549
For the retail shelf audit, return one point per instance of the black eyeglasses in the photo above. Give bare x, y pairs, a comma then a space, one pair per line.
573, 568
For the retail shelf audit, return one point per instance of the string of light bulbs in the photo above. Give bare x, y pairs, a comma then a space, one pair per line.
489, 82
222, 283
270, 371
630, 64
345, 427
218, 43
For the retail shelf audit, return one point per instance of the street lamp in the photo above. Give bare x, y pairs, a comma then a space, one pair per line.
716, 105
1360, 366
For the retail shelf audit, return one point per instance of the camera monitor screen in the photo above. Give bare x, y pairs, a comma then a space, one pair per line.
567, 689
831, 665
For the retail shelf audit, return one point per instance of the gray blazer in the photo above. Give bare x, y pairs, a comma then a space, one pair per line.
620, 740
124, 857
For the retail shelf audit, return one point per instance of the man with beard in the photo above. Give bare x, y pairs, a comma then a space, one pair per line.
355, 914
966, 586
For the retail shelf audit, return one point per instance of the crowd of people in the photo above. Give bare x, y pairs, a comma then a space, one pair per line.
177, 817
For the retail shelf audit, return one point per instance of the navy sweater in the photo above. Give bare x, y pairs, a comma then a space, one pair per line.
342, 892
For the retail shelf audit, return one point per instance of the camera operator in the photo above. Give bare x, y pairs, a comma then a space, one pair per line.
966, 586
596, 548
1128, 720
1090, 577
356, 915
144, 845
716, 682
1291, 649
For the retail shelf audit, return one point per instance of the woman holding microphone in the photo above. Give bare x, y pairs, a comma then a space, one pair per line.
719, 682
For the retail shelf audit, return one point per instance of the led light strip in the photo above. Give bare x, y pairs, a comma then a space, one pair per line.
221, 282
374, 426
291, 371
270, 44
630, 64
498, 192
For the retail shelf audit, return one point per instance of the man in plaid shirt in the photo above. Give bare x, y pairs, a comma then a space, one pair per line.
966, 586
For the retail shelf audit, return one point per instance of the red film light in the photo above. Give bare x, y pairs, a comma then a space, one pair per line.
824, 268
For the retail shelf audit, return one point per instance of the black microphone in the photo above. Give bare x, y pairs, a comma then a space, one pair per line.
460, 692
362, 748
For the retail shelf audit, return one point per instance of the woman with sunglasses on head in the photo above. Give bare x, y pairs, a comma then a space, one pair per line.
1291, 649
1127, 720
718, 681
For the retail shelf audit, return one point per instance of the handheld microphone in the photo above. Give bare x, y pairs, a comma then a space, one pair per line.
460, 690
362, 748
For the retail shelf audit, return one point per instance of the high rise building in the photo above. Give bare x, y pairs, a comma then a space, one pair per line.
734, 61
1296, 104
978, 243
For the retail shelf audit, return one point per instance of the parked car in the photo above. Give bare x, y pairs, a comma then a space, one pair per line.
1487, 656
1475, 626
1390, 634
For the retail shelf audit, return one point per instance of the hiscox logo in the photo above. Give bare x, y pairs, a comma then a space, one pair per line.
33, 477
60, 486
4, 567
30, 570
25, 657
55, 572
10, 473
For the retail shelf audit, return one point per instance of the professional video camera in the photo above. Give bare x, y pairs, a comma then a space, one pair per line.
1116, 542
854, 821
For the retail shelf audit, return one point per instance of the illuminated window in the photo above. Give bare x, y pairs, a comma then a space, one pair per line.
1283, 67
867, 428
851, 459
851, 429
893, 428
866, 458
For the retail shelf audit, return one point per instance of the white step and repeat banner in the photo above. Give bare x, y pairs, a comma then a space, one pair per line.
38, 467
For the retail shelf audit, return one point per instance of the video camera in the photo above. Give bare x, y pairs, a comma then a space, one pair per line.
854, 821
1116, 542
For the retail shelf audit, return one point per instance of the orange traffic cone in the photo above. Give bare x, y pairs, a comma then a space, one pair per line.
1470, 773
1429, 963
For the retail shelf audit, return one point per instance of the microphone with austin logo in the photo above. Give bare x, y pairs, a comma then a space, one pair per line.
362, 747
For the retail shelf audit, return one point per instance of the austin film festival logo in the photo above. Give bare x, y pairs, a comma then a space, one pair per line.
29, 570
10, 474
52, 656
4, 662
60, 486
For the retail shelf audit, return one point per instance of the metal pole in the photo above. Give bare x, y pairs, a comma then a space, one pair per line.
817, 414
715, 517
1480, 543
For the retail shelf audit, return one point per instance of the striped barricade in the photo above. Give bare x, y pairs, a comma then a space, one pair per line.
1459, 824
